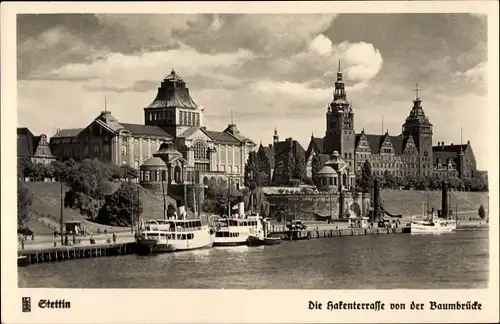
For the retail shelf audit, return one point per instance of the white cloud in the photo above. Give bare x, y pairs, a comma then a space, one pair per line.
475, 74
363, 61
285, 30
295, 92
120, 70
321, 44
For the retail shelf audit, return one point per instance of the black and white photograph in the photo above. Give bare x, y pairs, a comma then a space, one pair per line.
253, 151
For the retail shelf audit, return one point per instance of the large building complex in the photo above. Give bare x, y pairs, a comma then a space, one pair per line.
172, 117
409, 153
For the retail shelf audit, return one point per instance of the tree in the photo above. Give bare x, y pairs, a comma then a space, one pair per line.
24, 167
251, 168
299, 170
261, 180
123, 207
365, 180
37, 172
128, 172
289, 165
481, 212
315, 164
24, 201
389, 180
88, 184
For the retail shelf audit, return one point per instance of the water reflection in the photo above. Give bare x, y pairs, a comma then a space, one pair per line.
457, 260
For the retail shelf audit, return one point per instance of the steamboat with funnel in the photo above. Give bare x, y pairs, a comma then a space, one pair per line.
177, 233
235, 229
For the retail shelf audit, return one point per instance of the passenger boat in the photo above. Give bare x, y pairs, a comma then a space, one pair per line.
178, 234
235, 229
430, 225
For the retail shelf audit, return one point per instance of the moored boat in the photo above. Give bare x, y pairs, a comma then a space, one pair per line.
256, 240
178, 234
235, 229
22, 260
430, 225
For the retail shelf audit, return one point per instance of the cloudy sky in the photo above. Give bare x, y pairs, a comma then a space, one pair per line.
270, 70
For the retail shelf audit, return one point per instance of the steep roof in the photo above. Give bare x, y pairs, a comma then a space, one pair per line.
284, 146
173, 93
145, 130
154, 162
234, 131
376, 141
68, 132
173, 77
314, 143
444, 156
179, 98
26, 142
449, 148
270, 155
223, 137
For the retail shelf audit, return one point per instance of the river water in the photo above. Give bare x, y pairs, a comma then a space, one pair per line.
455, 260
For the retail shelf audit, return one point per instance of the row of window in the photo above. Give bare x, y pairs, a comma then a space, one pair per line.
188, 236
228, 168
188, 118
227, 234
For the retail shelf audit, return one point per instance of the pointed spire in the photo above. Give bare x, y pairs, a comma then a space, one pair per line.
417, 89
312, 135
339, 66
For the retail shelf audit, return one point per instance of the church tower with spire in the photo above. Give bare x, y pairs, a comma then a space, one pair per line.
340, 134
417, 125
276, 138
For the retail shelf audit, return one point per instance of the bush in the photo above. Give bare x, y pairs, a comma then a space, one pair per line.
481, 212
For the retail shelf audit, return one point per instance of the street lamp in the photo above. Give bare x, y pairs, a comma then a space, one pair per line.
337, 164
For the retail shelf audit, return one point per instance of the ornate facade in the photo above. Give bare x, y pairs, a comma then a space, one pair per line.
410, 153
173, 117
36, 148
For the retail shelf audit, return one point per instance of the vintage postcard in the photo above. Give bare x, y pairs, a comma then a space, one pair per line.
262, 162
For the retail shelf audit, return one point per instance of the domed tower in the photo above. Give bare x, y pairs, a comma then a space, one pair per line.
418, 126
340, 135
173, 109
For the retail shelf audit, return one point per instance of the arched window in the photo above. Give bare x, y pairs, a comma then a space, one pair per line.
199, 150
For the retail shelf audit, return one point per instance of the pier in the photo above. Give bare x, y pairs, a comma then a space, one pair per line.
77, 252
325, 233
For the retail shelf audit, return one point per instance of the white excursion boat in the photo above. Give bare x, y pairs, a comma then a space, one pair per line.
178, 234
235, 230
430, 225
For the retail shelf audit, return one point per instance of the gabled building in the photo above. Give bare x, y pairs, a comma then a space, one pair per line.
455, 158
172, 117
35, 148
410, 153
315, 150
282, 151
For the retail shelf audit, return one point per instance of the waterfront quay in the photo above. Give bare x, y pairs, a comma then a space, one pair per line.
324, 233
50, 251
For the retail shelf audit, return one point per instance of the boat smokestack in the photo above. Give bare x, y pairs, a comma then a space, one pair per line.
444, 199
181, 210
241, 207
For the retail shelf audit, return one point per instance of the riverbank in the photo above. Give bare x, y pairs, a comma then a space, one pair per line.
40, 252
